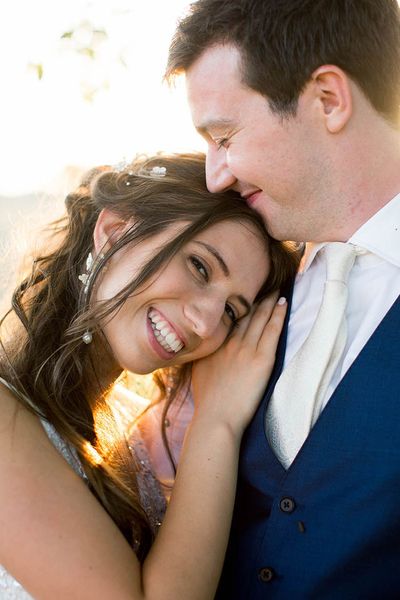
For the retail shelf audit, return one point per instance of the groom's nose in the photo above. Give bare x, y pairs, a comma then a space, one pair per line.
218, 175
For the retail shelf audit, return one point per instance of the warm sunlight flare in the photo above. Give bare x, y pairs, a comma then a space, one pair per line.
126, 403
92, 454
128, 398
82, 85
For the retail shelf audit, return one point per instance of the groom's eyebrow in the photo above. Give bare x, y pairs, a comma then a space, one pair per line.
213, 124
225, 270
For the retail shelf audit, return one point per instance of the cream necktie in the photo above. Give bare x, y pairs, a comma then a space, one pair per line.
300, 390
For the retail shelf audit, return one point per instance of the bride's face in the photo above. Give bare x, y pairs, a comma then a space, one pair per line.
189, 308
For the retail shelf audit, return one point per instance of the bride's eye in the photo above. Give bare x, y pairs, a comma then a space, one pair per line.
231, 314
200, 267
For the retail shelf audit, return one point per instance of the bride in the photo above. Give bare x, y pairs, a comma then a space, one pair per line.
148, 271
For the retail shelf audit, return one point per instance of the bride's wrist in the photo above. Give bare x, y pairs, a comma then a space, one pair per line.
215, 428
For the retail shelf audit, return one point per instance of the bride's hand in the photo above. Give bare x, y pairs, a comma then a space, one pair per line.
228, 385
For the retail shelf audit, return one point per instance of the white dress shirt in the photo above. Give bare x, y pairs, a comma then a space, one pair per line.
374, 285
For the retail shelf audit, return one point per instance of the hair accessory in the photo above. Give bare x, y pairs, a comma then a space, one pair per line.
155, 171
120, 166
158, 171
85, 279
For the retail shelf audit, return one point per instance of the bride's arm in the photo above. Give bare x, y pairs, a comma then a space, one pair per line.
56, 539
227, 387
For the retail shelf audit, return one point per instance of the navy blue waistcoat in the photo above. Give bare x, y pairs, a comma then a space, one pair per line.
329, 527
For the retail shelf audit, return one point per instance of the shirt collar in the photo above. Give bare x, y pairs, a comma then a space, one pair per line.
380, 235
312, 249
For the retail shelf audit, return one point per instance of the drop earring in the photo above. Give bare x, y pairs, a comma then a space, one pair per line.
87, 337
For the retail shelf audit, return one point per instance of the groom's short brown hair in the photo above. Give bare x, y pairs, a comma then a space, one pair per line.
283, 41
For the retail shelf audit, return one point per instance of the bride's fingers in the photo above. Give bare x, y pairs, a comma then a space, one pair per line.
258, 319
269, 338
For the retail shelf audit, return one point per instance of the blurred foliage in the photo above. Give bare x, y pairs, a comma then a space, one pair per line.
37, 69
92, 46
85, 39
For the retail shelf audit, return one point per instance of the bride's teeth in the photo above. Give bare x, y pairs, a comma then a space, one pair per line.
165, 337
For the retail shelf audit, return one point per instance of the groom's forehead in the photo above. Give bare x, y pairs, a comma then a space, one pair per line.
217, 67
211, 82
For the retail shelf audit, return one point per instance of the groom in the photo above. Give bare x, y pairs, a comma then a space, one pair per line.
298, 101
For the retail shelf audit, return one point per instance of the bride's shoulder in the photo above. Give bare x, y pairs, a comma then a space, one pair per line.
13, 415
25, 446
18, 422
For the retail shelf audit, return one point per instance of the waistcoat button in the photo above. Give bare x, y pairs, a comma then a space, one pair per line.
287, 505
266, 574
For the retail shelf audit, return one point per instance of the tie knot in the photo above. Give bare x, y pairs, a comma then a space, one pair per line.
340, 258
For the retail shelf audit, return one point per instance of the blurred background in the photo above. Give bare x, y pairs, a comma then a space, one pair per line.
81, 85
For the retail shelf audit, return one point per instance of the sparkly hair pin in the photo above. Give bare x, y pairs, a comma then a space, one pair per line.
155, 172
121, 166
85, 277
158, 171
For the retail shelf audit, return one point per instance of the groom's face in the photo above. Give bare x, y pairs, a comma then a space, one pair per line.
266, 158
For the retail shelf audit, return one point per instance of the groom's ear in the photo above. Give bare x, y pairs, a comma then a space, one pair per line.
108, 229
332, 90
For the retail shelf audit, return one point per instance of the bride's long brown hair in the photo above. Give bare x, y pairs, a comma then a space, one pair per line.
45, 359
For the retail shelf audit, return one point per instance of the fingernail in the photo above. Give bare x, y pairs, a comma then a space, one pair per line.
281, 301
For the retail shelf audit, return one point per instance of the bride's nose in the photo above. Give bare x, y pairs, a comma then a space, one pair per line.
204, 315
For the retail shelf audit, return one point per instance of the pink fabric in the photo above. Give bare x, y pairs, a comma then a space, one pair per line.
179, 417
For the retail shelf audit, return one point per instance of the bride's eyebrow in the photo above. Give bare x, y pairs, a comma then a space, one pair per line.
217, 256
225, 270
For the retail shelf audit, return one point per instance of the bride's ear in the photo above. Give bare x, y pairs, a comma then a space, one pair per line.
108, 229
